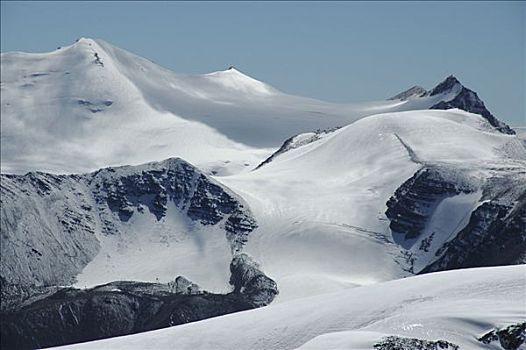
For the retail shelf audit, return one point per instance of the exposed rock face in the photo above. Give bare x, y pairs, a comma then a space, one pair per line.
413, 203
400, 343
248, 279
47, 229
458, 96
201, 198
493, 229
509, 338
50, 223
415, 91
298, 141
469, 101
182, 285
496, 224
445, 86
71, 315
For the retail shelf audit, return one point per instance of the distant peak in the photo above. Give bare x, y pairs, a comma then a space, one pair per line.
233, 69
447, 85
415, 91
235, 79
83, 40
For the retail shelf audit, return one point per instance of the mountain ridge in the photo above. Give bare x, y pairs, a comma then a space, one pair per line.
94, 104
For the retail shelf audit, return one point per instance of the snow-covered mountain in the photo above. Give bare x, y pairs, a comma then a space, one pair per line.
346, 196
277, 196
91, 105
54, 225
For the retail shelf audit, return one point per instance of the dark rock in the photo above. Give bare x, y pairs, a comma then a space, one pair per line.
203, 199
248, 279
401, 343
468, 101
181, 285
445, 86
296, 142
413, 203
71, 315
415, 91
98, 60
95, 106
510, 338
495, 235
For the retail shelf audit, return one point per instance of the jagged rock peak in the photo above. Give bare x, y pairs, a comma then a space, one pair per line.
415, 91
445, 85
468, 101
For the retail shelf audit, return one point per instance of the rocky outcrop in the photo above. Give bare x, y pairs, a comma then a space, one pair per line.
248, 279
468, 101
49, 223
509, 338
454, 95
71, 315
399, 343
496, 224
128, 190
413, 203
413, 92
298, 141
493, 228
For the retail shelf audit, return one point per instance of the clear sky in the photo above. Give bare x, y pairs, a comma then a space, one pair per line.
335, 51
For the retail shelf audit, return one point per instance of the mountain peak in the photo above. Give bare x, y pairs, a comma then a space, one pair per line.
235, 79
85, 41
415, 91
463, 98
445, 86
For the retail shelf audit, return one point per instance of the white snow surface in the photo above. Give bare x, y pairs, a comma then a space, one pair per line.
321, 207
159, 251
457, 306
71, 111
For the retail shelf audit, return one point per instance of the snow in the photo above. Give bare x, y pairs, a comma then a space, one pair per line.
148, 250
457, 306
219, 121
321, 207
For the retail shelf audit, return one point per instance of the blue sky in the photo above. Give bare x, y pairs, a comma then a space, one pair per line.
335, 51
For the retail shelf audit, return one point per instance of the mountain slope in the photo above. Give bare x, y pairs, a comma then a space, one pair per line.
329, 197
457, 306
108, 224
91, 105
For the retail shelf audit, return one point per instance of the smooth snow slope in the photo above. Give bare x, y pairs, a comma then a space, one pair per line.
457, 306
321, 207
90, 105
